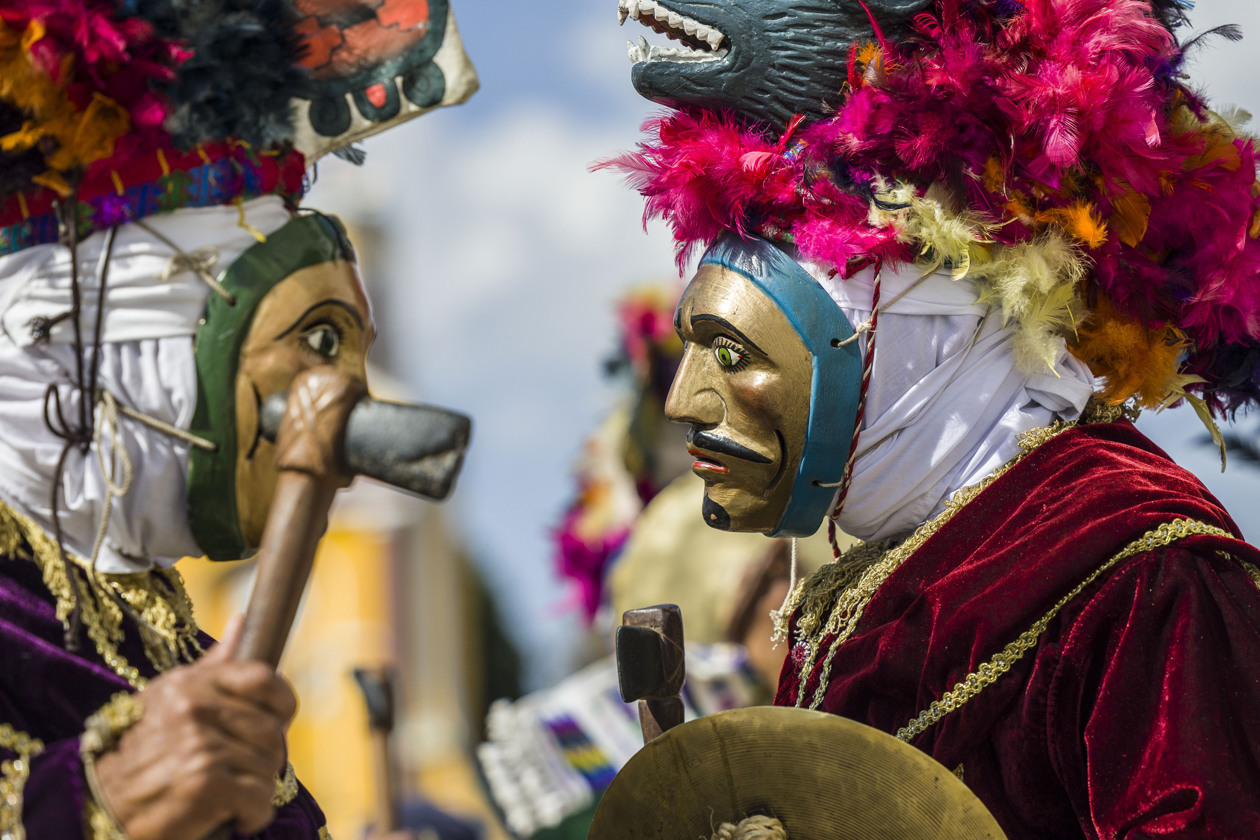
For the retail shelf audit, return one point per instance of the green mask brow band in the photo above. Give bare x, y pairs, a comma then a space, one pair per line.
306, 240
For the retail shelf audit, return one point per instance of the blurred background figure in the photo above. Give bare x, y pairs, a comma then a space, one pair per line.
633, 537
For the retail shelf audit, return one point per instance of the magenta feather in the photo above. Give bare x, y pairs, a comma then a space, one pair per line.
1022, 109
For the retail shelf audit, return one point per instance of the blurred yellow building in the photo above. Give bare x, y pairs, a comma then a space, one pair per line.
389, 588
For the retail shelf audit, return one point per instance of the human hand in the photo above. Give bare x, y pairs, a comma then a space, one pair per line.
206, 751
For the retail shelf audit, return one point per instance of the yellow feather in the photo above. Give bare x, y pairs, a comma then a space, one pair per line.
1081, 221
1036, 286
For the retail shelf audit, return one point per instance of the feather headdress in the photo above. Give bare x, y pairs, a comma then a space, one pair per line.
1046, 147
126, 108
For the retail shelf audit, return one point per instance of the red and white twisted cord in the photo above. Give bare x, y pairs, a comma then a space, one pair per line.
846, 478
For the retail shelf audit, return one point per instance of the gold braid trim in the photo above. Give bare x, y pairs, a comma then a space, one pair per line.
1252, 572
989, 672
100, 733
168, 631
13, 774
323, 833
286, 787
101, 825
843, 601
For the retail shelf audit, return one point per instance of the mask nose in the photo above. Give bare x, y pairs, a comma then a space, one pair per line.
692, 399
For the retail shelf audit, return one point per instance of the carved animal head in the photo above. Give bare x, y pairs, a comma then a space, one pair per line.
764, 59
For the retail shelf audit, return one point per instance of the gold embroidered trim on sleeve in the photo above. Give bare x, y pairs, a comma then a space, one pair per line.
989, 672
168, 630
1252, 572
13, 774
286, 787
323, 833
849, 606
101, 824
101, 731
106, 725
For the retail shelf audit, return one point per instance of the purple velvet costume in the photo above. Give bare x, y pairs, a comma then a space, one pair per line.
48, 691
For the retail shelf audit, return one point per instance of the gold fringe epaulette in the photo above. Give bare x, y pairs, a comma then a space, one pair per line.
157, 598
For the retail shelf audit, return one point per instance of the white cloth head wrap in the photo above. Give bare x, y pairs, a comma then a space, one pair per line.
146, 363
946, 404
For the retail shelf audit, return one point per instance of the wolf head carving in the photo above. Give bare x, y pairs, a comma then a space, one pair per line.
764, 59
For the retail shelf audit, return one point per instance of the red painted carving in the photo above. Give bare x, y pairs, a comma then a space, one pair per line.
347, 37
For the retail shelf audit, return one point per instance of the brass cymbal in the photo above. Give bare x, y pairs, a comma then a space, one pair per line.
824, 777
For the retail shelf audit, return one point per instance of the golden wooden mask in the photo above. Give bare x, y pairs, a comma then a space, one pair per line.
743, 387
769, 384
318, 315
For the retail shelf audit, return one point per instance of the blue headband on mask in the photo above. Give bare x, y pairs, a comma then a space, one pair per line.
835, 386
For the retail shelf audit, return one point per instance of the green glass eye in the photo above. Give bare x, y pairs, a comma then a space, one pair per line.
727, 356
324, 340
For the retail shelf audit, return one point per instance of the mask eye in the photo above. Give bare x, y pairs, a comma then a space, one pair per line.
728, 355
323, 340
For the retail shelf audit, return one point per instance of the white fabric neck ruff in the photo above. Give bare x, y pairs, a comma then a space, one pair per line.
946, 404
146, 362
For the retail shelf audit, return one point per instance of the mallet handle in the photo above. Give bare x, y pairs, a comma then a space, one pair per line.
659, 716
378, 693
286, 558
309, 457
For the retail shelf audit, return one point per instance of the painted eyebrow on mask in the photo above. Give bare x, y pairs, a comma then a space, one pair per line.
330, 301
731, 327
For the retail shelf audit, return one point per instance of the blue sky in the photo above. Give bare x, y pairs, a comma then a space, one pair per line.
500, 257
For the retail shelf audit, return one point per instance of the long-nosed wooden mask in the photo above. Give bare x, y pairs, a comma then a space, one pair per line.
296, 303
769, 387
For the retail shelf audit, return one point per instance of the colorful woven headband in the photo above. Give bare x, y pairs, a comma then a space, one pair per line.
135, 107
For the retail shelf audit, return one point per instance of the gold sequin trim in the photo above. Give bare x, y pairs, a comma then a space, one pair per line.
843, 617
1098, 410
169, 633
323, 833
989, 672
1252, 572
101, 731
13, 774
102, 824
286, 787
107, 724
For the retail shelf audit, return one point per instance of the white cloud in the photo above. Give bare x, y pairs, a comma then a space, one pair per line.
504, 255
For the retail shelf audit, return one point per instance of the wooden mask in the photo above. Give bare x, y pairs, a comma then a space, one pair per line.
297, 303
768, 386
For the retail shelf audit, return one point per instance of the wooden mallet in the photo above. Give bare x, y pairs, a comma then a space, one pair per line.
378, 692
312, 439
650, 666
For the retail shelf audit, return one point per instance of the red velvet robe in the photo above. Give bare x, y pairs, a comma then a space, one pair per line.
1137, 715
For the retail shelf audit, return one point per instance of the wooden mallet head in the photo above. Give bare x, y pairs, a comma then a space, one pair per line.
651, 667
